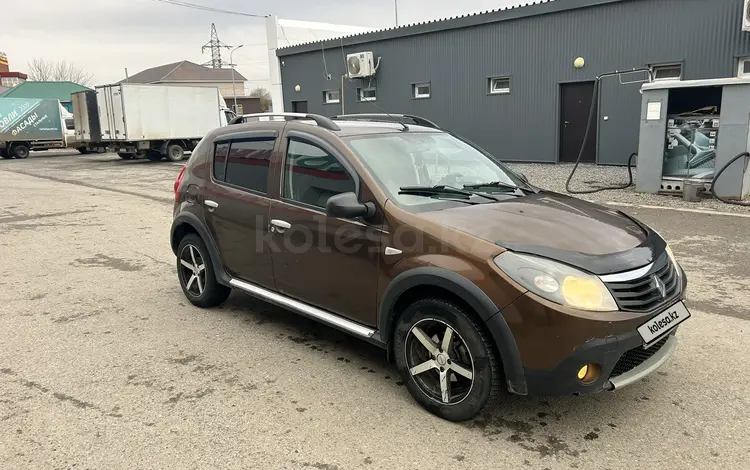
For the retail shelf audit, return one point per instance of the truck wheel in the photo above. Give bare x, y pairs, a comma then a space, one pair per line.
83, 150
175, 153
4, 154
126, 156
154, 155
20, 151
141, 154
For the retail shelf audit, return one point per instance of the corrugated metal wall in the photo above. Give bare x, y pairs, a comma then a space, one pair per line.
537, 53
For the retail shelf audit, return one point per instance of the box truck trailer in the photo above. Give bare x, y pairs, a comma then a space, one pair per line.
30, 124
151, 121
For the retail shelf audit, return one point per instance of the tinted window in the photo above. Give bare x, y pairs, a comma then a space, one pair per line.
220, 160
247, 163
312, 175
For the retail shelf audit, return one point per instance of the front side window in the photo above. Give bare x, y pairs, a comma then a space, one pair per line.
248, 162
312, 175
428, 159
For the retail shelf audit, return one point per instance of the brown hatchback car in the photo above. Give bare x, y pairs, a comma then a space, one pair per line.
408, 236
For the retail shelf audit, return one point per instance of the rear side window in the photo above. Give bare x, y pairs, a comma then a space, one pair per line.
312, 175
220, 160
248, 162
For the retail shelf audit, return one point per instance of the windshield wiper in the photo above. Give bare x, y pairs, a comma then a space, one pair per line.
441, 189
497, 184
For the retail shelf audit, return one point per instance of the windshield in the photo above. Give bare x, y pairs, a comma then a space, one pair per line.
428, 159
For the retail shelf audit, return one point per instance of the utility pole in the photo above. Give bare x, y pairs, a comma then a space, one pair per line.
395, 9
215, 46
231, 62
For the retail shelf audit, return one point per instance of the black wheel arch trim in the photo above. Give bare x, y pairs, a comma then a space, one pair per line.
187, 218
475, 298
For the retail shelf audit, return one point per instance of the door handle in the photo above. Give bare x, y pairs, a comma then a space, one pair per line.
279, 225
211, 204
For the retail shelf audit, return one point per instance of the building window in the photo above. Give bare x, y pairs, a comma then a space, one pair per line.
420, 90
499, 85
744, 68
666, 72
366, 94
331, 96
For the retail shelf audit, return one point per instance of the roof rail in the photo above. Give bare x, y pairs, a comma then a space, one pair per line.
321, 121
416, 120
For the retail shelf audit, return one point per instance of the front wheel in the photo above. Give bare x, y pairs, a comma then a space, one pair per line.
196, 274
446, 359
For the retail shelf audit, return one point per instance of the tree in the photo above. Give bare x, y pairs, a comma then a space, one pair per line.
58, 71
265, 98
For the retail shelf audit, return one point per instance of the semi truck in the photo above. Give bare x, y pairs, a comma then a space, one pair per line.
28, 124
147, 121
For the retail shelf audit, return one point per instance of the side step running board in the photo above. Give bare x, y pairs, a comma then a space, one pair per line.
304, 309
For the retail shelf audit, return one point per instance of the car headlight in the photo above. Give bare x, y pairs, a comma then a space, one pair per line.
557, 282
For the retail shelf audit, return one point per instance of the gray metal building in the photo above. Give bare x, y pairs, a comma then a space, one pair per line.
506, 79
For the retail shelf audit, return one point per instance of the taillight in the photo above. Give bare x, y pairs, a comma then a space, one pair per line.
177, 184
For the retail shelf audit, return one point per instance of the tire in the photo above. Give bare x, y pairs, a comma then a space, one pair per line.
4, 154
83, 150
154, 155
141, 154
203, 291
20, 151
126, 156
175, 152
471, 367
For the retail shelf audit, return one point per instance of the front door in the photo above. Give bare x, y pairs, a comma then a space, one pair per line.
327, 262
299, 106
236, 205
574, 115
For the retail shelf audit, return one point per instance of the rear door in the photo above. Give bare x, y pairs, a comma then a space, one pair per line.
236, 203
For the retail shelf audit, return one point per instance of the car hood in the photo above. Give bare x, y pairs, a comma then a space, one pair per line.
593, 237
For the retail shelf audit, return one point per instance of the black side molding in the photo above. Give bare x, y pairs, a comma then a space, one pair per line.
475, 298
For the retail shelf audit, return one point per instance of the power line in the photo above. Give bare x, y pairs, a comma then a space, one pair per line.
180, 3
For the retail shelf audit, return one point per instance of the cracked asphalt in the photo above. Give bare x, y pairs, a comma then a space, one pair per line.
104, 364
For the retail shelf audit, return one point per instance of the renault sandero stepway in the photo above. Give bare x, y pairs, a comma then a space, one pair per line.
475, 282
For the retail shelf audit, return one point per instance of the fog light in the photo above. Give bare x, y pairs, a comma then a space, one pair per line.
589, 373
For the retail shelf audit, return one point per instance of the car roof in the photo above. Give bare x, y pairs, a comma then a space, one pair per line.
346, 127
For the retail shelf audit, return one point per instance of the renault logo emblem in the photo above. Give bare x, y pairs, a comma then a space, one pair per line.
659, 284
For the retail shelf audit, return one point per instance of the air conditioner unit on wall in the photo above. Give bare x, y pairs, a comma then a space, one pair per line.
746, 16
360, 64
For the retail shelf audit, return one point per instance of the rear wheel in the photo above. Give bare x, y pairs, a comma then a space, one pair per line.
196, 274
175, 152
4, 154
446, 359
20, 151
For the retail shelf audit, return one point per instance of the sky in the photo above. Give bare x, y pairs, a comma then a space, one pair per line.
106, 36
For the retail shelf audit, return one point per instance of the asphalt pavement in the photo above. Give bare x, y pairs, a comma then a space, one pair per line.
104, 364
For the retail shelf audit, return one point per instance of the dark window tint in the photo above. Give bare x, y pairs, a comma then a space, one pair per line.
312, 175
247, 164
220, 160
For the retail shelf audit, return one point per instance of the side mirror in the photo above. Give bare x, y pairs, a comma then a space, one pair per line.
347, 206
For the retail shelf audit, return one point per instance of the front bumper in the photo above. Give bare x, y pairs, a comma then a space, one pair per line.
622, 359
